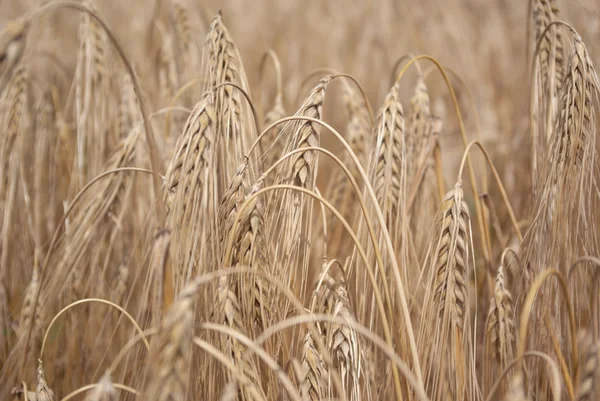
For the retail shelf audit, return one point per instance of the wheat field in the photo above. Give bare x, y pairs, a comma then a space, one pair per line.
318, 200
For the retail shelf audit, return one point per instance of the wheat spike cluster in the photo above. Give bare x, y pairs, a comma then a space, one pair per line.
316, 200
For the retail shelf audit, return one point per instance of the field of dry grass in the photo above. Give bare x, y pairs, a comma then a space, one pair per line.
280, 200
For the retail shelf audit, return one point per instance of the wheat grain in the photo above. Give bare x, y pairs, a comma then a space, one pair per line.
313, 386
586, 389
500, 324
306, 133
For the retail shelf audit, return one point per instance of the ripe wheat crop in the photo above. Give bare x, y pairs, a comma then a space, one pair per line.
255, 201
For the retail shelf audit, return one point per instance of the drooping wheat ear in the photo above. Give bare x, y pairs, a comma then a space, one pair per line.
230, 311
358, 130
130, 114
313, 386
90, 223
452, 252
388, 158
27, 308
12, 44
345, 345
159, 285
305, 134
92, 99
418, 119
516, 389
104, 391
225, 66
253, 251
183, 30
331, 298
231, 315
322, 298
300, 169
191, 191
236, 295
121, 284
273, 142
551, 64
14, 99
14, 111
445, 307
224, 62
569, 175
193, 151
500, 323
232, 200
545, 12
228, 210
42, 391
98, 43
575, 119
173, 353
586, 390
